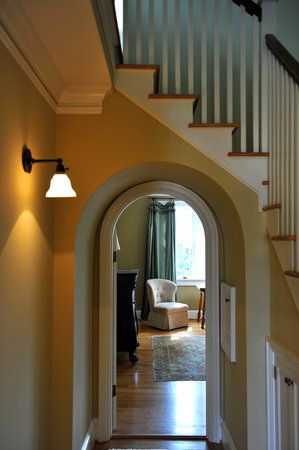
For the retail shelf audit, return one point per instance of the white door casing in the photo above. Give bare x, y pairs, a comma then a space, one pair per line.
106, 323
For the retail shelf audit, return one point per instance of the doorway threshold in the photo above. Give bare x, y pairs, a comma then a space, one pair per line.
170, 437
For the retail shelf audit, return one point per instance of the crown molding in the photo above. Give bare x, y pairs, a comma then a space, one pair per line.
81, 101
24, 44
28, 43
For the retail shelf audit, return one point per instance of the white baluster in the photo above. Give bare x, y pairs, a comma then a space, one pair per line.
203, 28
256, 83
282, 151
190, 47
126, 32
277, 133
229, 62
243, 78
177, 47
165, 47
138, 38
286, 198
274, 134
268, 25
216, 63
270, 126
291, 131
151, 33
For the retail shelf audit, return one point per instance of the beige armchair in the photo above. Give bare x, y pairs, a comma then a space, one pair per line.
165, 312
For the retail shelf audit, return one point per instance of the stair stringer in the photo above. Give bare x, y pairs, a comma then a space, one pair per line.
176, 114
285, 253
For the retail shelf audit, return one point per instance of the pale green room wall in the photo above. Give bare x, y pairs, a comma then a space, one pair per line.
287, 25
131, 229
26, 264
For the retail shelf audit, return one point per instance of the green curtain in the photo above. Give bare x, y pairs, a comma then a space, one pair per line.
160, 246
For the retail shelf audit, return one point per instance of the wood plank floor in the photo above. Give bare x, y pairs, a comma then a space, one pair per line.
145, 407
162, 444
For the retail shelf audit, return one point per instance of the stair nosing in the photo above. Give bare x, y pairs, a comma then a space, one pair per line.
213, 125
175, 96
287, 237
292, 273
138, 66
252, 154
271, 207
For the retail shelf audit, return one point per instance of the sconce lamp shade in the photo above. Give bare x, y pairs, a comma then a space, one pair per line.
60, 186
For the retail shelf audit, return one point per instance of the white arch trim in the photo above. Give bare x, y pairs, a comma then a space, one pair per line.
106, 301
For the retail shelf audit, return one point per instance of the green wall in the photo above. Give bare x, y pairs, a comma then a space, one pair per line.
131, 230
287, 25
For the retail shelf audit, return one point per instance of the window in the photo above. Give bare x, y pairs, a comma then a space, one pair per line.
190, 245
118, 4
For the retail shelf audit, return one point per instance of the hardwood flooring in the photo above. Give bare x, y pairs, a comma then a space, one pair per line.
153, 415
145, 407
162, 444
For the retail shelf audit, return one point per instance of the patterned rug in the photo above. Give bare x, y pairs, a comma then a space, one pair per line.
179, 357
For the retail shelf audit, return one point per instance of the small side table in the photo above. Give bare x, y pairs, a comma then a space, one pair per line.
201, 315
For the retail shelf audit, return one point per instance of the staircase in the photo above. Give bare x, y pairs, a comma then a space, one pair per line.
241, 119
176, 112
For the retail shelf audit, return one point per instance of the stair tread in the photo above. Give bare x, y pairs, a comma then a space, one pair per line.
292, 273
184, 96
286, 237
271, 207
138, 66
213, 125
256, 154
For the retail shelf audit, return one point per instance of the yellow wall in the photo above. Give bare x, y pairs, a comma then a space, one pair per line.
26, 264
98, 149
123, 137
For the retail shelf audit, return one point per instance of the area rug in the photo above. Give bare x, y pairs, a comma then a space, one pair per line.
179, 357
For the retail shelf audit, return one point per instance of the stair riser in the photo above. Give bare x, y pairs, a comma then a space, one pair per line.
273, 222
293, 284
285, 253
176, 114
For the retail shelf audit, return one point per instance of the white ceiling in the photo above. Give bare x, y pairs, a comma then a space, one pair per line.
59, 41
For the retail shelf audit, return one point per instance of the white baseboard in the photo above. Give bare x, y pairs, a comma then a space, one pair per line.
90, 437
226, 438
192, 313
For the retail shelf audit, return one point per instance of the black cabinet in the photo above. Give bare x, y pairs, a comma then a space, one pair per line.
127, 325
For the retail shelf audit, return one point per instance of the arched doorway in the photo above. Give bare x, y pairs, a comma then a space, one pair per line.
106, 301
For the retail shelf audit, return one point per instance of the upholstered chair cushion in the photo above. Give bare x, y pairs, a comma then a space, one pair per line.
165, 312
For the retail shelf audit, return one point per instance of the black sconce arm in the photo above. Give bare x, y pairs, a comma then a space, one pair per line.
28, 161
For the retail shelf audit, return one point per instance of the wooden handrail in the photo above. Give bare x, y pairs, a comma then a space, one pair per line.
252, 8
285, 58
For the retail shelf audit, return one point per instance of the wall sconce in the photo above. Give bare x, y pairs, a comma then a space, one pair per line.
60, 185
